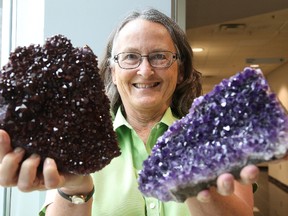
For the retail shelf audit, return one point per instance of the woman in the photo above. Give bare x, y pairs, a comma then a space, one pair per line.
150, 80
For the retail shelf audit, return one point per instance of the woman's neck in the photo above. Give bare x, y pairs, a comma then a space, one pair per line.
143, 121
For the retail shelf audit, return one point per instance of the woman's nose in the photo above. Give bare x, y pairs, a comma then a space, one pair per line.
145, 69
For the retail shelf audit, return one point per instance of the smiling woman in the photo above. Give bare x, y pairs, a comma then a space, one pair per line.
143, 84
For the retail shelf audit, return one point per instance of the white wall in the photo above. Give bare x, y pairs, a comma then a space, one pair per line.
91, 21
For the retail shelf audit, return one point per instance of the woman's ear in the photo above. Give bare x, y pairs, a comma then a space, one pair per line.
113, 74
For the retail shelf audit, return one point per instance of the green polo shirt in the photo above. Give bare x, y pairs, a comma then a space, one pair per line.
116, 186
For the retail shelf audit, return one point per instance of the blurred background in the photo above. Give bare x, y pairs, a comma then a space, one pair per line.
237, 34
228, 36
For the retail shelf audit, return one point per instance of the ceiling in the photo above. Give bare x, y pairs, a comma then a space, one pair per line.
236, 34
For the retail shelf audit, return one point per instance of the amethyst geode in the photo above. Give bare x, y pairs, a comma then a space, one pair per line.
238, 123
52, 103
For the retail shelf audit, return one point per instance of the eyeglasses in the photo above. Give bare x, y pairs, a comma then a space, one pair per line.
132, 60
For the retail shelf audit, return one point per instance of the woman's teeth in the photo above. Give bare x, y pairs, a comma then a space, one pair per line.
141, 85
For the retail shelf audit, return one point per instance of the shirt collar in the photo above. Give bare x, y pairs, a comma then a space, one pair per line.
120, 120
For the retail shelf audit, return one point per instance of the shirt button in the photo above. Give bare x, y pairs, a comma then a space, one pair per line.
152, 205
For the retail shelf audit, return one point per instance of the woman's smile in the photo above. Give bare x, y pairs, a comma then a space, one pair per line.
146, 85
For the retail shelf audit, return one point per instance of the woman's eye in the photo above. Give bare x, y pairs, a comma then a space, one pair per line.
159, 56
131, 56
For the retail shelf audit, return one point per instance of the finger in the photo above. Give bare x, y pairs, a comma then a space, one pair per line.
225, 184
28, 174
5, 146
52, 178
9, 167
249, 174
204, 196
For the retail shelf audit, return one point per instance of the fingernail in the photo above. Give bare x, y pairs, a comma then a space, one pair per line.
205, 197
34, 156
18, 150
227, 184
48, 161
252, 178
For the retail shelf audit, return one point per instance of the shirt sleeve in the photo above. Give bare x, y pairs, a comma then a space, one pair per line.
50, 195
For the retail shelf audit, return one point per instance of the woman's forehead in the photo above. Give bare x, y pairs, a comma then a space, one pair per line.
143, 26
142, 32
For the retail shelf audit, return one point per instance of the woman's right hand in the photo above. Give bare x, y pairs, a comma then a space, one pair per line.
15, 171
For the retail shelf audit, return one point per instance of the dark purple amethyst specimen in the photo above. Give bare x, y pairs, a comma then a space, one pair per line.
238, 123
52, 103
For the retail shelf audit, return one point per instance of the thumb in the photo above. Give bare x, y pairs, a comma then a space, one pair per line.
5, 144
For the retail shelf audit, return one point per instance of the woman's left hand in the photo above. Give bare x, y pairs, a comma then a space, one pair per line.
226, 182
229, 197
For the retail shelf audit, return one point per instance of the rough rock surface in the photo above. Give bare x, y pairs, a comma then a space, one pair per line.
238, 123
52, 103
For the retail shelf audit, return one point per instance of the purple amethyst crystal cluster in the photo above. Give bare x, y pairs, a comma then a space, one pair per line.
239, 122
52, 103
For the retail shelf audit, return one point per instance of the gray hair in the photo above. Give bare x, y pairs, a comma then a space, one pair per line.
190, 86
